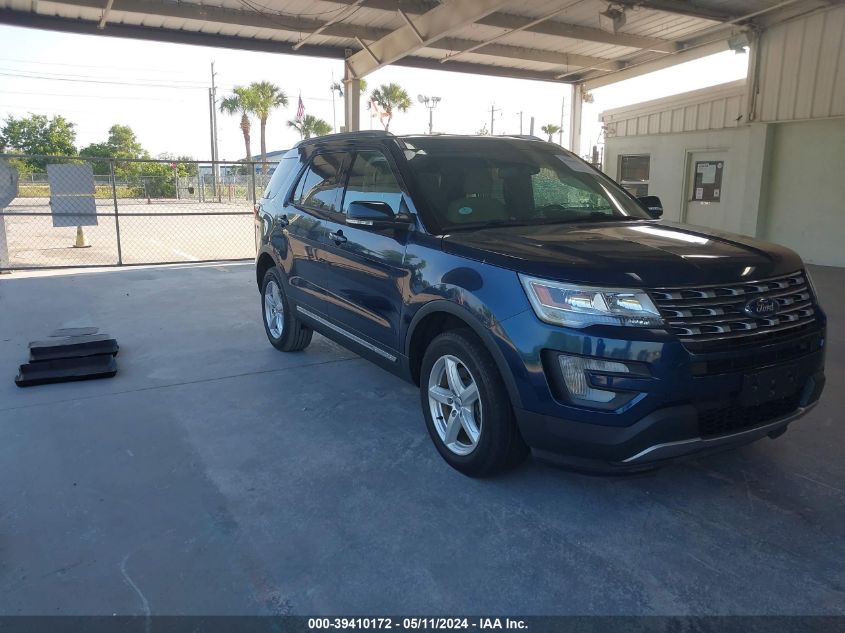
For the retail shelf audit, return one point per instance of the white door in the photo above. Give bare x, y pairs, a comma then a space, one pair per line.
707, 179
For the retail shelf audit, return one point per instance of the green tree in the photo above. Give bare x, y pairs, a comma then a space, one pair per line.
338, 87
37, 134
310, 126
121, 143
241, 101
158, 179
551, 129
266, 98
390, 98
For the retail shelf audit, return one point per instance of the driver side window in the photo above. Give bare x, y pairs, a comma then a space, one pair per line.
371, 179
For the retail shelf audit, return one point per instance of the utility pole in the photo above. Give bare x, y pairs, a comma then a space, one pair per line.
520, 123
212, 97
430, 103
334, 110
493, 111
531, 128
560, 133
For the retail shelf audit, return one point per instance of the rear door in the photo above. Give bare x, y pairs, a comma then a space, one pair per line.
366, 265
313, 201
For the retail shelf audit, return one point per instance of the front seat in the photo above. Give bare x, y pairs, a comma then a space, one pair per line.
477, 203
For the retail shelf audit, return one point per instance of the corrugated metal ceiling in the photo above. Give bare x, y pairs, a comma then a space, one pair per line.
570, 45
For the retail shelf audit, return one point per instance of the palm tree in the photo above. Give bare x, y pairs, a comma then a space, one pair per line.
390, 97
241, 101
310, 126
337, 87
266, 97
551, 129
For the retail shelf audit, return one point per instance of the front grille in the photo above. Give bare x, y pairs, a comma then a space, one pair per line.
718, 420
713, 316
753, 358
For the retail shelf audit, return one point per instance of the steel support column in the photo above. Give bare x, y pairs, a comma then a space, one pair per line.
351, 101
575, 120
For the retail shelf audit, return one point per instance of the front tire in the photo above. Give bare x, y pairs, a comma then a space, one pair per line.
466, 406
284, 330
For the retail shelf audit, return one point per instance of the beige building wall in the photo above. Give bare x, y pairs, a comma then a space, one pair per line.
804, 195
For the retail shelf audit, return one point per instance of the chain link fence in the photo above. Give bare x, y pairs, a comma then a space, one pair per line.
60, 212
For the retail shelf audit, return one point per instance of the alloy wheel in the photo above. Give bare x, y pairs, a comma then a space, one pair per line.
455, 404
274, 309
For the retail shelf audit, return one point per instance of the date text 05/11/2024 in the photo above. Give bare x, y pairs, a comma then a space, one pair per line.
416, 623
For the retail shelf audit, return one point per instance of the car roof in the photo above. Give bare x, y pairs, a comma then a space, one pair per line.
410, 139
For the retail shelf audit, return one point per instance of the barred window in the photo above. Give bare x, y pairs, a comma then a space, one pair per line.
634, 173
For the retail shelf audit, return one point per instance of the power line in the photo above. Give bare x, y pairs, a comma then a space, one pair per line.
139, 83
85, 96
103, 81
49, 74
123, 68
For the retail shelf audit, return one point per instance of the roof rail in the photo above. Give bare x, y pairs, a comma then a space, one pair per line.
527, 137
346, 135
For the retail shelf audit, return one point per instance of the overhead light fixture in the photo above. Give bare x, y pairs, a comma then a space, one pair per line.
612, 19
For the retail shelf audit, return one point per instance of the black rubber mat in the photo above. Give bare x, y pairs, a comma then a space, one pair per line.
72, 347
66, 370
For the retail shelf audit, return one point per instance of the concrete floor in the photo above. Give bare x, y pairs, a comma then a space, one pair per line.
215, 475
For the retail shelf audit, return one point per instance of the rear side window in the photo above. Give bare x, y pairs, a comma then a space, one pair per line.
282, 175
372, 180
319, 187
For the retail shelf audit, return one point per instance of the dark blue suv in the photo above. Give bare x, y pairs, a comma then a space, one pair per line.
535, 302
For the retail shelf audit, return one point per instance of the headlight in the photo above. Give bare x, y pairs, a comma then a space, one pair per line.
579, 306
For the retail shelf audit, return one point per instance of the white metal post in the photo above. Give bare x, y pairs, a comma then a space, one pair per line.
351, 100
575, 121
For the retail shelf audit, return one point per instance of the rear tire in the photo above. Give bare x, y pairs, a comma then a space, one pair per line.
466, 406
284, 330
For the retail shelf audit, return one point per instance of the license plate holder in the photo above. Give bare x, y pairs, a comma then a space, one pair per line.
770, 384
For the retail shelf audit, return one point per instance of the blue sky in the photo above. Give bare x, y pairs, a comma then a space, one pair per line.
160, 90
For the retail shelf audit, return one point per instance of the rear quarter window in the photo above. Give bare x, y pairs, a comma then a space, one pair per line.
285, 171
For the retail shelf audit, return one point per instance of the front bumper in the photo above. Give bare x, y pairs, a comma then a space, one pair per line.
665, 434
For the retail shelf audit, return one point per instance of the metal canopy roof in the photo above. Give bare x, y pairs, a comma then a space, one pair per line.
560, 40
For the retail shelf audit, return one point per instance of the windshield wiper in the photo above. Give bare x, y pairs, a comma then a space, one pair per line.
594, 217
490, 225
495, 224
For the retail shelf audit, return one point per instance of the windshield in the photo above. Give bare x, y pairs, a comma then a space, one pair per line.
475, 183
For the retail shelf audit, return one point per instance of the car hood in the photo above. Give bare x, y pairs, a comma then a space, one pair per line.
649, 254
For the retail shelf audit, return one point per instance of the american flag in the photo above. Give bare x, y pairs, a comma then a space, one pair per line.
300, 109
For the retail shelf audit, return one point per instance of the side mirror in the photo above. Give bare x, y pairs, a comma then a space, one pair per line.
652, 205
369, 213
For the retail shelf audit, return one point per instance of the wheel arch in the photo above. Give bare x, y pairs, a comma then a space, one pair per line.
263, 263
440, 316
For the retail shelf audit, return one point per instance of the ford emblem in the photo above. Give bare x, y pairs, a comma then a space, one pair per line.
762, 308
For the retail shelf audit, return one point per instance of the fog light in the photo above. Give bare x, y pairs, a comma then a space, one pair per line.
575, 368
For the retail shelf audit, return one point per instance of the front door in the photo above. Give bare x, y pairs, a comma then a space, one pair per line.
707, 178
366, 271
